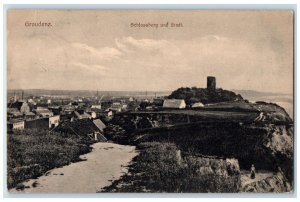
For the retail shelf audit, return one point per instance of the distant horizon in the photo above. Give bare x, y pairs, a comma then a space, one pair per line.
152, 91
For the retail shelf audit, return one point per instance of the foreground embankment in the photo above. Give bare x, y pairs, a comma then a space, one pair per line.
30, 153
162, 167
105, 163
266, 145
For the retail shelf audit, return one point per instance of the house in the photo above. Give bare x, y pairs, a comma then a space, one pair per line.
99, 124
92, 114
55, 109
30, 115
39, 123
174, 104
31, 101
107, 114
44, 112
82, 128
22, 106
15, 124
68, 109
95, 110
81, 114
54, 121
25, 108
42, 123
96, 107
64, 116
124, 107
41, 105
198, 105
117, 106
81, 104
13, 112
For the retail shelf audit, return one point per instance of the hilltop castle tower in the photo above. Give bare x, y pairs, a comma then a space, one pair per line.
211, 83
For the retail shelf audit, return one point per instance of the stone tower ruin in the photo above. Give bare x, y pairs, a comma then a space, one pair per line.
211, 83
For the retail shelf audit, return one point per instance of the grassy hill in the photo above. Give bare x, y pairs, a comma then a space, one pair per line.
206, 96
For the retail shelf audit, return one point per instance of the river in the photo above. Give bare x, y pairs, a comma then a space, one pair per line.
106, 163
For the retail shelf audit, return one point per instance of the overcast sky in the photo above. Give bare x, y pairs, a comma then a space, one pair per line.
249, 50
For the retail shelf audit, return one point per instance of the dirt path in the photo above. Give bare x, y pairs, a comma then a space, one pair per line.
104, 164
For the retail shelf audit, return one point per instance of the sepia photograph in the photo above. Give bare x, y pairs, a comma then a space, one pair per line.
149, 101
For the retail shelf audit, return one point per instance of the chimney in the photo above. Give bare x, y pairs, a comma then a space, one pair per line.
211, 83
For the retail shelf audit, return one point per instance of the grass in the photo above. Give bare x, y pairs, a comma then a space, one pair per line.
160, 168
31, 153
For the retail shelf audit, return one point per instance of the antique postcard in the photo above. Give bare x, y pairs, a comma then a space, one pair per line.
156, 101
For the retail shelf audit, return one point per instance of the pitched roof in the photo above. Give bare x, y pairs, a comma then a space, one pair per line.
12, 110
17, 105
82, 116
41, 111
30, 114
174, 103
15, 121
96, 106
99, 124
101, 138
197, 104
80, 127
